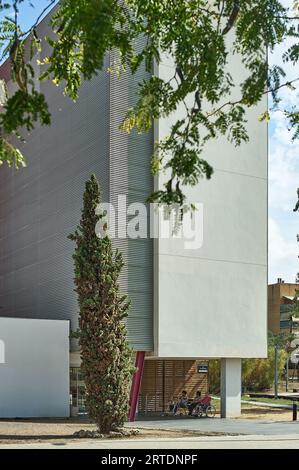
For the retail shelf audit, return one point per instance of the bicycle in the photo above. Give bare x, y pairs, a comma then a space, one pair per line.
204, 407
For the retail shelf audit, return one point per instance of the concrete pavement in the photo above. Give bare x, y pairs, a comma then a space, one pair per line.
225, 426
232, 434
201, 442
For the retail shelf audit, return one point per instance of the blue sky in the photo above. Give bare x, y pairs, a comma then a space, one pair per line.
28, 14
283, 182
283, 171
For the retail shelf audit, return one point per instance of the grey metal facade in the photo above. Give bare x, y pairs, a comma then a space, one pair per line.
40, 204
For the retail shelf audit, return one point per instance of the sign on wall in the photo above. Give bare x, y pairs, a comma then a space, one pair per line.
202, 368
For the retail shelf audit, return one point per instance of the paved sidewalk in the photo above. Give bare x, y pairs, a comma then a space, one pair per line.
202, 442
225, 426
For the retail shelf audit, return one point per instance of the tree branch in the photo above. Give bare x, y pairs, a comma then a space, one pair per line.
220, 16
287, 17
288, 83
270, 90
232, 18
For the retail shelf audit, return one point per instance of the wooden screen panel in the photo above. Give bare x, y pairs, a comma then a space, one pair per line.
163, 380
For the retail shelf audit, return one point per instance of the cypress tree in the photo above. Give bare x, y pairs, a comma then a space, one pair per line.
106, 358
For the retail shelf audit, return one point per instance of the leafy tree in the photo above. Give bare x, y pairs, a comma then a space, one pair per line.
106, 357
198, 35
214, 376
257, 374
294, 315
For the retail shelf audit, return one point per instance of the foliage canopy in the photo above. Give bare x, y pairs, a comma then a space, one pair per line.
198, 36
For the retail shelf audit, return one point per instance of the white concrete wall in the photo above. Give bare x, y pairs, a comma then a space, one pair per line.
212, 301
34, 378
230, 388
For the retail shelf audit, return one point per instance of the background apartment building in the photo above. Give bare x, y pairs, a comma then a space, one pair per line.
280, 305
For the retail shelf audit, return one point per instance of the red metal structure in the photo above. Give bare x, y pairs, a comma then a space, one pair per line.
139, 364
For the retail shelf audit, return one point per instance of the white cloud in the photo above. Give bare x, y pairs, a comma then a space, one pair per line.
283, 179
283, 154
283, 261
283, 167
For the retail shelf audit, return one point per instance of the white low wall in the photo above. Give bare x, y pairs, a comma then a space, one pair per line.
34, 368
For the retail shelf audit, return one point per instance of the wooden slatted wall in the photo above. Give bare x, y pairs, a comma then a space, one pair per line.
163, 380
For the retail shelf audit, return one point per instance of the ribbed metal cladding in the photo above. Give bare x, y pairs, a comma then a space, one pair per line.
118, 174
130, 177
41, 204
140, 287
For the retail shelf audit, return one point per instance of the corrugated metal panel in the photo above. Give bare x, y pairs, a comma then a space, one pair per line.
130, 176
41, 204
118, 180
141, 250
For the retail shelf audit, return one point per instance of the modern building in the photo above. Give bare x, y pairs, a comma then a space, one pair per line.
280, 305
189, 304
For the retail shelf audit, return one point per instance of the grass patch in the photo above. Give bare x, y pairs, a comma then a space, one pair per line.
273, 401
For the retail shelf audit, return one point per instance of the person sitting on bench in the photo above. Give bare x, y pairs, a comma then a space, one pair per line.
195, 402
171, 405
182, 402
